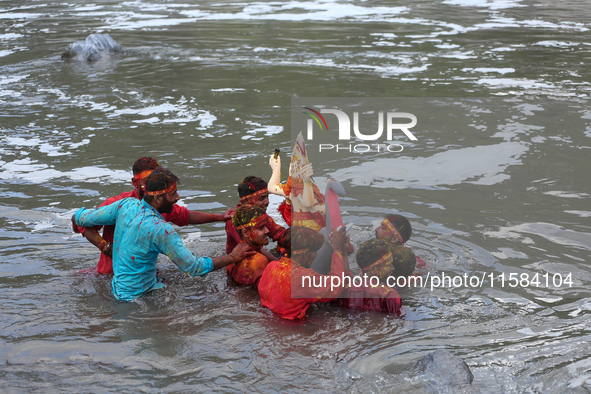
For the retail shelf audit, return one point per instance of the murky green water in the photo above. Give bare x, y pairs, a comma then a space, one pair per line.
206, 87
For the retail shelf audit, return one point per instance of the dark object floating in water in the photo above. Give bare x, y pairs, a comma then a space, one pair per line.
446, 372
95, 47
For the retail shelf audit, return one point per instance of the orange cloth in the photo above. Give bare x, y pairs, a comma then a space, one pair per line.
249, 270
276, 291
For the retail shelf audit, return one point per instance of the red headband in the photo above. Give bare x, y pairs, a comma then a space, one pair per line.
142, 175
255, 194
253, 222
158, 192
390, 227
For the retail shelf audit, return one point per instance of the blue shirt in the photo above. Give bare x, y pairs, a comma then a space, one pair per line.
140, 235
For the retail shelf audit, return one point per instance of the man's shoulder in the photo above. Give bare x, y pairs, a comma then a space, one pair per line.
283, 263
177, 209
121, 196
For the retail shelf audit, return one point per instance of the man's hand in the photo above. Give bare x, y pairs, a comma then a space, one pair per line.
275, 163
241, 251
339, 239
306, 172
228, 214
108, 250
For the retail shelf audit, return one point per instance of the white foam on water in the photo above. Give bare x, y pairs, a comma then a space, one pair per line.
195, 236
151, 120
43, 147
12, 79
151, 110
558, 193
505, 70
515, 83
549, 231
583, 214
503, 22
44, 225
206, 120
75, 145
459, 55
557, 44
527, 331
10, 36
384, 43
447, 46
316, 11
581, 371
507, 253
490, 4
5, 52
502, 49
549, 300
90, 7
30, 171
294, 11
388, 70
19, 141
268, 130
150, 23
264, 49
385, 35
228, 90
18, 15
179, 112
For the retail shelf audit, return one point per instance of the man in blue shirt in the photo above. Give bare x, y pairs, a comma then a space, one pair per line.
142, 234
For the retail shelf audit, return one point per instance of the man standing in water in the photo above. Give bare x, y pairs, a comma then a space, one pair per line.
142, 234
253, 191
180, 216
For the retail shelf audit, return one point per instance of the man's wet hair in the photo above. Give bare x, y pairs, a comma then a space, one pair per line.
285, 241
251, 184
144, 164
404, 261
161, 178
371, 251
306, 238
244, 214
402, 225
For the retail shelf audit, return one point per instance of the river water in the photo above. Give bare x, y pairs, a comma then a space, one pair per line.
496, 183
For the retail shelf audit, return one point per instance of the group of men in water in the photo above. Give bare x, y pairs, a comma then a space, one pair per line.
137, 228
